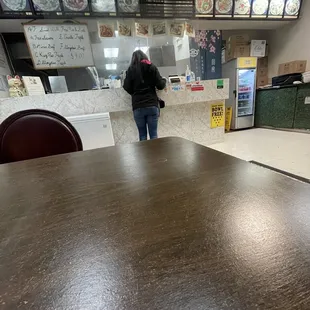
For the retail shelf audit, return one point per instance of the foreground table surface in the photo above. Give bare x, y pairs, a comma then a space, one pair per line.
165, 224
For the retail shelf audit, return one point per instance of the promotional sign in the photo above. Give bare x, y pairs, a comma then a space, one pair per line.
217, 115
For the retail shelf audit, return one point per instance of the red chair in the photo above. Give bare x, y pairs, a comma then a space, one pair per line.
36, 133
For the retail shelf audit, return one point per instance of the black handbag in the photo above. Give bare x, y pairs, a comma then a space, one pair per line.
161, 103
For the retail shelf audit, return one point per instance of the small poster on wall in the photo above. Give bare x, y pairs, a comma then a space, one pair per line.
258, 48
106, 30
159, 29
176, 29
142, 29
124, 29
189, 30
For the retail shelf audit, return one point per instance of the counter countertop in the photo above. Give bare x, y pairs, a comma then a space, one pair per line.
107, 100
284, 86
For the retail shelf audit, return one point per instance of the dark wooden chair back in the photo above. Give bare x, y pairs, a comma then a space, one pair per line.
36, 133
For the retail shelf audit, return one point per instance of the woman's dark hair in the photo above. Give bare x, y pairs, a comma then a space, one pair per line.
135, 64
137, 56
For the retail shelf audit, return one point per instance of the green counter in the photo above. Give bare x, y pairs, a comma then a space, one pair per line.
283, 107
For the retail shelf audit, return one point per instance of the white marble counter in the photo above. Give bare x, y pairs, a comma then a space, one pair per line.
106, 100
187, 113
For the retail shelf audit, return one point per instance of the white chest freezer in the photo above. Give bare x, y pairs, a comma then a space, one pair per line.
95, 130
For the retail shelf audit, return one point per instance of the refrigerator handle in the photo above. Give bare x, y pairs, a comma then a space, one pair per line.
235, 93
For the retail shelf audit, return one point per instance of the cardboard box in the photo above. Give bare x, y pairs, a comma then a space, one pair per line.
262, 81
238, 40
238, 51
284, 69
297, 66
262, 62
258, 48
262, 72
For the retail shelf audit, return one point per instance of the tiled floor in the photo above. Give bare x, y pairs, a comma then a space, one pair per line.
288, 151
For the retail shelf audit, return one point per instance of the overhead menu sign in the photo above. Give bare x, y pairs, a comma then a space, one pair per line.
59, 45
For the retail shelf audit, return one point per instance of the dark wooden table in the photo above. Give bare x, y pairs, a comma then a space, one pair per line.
166, 224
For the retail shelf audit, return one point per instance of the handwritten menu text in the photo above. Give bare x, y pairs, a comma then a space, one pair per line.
59, 46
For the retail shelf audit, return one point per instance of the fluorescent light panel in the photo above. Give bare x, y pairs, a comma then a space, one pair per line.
111, 66
111, 52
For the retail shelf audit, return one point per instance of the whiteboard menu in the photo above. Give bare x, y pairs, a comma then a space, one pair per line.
59, 46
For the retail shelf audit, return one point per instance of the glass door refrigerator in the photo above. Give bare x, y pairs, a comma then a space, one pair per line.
242, 86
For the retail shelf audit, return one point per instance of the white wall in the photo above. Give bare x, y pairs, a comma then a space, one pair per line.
290, 42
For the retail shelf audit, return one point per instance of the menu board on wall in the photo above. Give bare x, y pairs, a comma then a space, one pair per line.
59, 46
16, 7
159, 9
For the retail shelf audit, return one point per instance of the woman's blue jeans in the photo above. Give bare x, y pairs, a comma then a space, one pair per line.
147, 118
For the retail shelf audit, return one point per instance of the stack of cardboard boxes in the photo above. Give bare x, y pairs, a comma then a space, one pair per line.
237, 46
297, 66
241, 46
262, 72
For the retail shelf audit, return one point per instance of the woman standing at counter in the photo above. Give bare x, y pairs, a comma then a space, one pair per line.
142, 80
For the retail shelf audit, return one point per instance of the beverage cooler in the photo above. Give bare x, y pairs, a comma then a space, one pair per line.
242, 86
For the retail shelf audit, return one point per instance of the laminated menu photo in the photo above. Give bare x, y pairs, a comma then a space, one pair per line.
101, 6
75, 5
204, 6
46, 6
128, 6
15, 5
